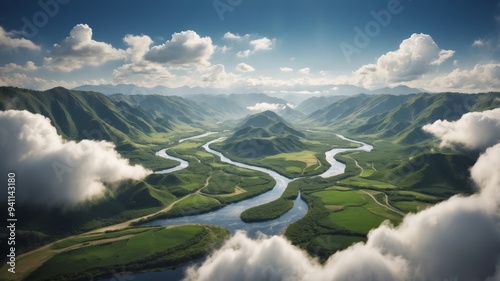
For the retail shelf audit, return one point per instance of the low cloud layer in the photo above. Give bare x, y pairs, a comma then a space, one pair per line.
458, 239
475, 130
52, 171
263, 106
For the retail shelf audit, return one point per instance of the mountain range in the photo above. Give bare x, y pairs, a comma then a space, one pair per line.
118, 118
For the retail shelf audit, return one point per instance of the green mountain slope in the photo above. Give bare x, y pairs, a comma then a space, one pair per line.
80, 115
90, 115
430, 170
399, 118
219, 103
316, 103
262, 134
167, 109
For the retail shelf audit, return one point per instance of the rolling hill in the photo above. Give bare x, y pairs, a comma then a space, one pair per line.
404, 154
399, 118
83, 115
117, 118
263, 134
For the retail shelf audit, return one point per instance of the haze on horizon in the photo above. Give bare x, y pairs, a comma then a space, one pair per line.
298, 46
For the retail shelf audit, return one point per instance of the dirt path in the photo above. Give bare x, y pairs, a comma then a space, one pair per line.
320, 165
199, 191
387, 205
357, 165
392, 207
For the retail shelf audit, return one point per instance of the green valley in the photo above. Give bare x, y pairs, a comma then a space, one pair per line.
405, 172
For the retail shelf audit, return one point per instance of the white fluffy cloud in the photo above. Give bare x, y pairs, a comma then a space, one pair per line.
474, 130
243, 54
243, 67
139, 46
247, 46
79, 50
8, 41
237, 37
11, 67
415, 57
185, 48
478, 43
286, 69
217, 77
53, 171
458, 239
140, 71
262, 44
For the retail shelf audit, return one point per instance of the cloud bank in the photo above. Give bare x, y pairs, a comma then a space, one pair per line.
482, 78
458, 239
52, 171
475, 130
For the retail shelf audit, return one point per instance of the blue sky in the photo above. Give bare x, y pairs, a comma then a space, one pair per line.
252, 45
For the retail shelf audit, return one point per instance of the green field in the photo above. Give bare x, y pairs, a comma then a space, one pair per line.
366, 183
221, 183
412, 206
269, 211
344, 198
149, 249
294, 162
357, 219
359, 213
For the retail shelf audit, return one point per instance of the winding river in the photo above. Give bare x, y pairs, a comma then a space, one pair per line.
229, 216
337, 167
